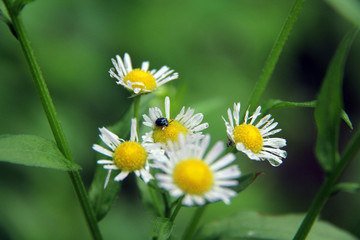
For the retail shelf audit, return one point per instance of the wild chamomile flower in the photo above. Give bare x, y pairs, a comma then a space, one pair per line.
200, 179
138, 80
127, 156
254, 140
165, 128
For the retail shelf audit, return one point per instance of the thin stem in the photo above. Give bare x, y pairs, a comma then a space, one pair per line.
274, 55
155, 200
136, 106
177, 209
166, 205
51, 115
327, 188
190, 230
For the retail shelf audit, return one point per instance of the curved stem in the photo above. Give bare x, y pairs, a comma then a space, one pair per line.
51, 115
190, 230
327, 188
273, 57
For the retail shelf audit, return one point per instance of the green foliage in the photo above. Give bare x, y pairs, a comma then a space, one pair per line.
162, 228
328, 107
33, 151
252, 225
276, 104
346, 187
350, 9
19, 5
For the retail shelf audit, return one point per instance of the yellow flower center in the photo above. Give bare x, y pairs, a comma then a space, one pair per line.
250, 136
138, 75
193, 176
130, 156
171, 132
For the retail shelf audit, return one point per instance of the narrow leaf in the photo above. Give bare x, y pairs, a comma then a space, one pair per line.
276, 104
328, 107
347, 187
162, 228
245, 181
18, 5
252, 225
33, 151
350, 9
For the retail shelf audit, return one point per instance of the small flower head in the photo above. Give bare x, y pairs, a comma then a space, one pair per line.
138, 80
165, 128
253, 139
200, 179
126, 156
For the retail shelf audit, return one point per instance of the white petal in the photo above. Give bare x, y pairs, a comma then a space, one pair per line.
145, 66
222, 162
215, 152
167, 107
121, 176
102, 150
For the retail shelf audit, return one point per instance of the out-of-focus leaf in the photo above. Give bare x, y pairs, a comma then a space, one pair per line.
328, 107
347, 187
350, 9
18, 5
245, 181
276, 104
147, 199
252, 225
102, 199
33, 151
162, 228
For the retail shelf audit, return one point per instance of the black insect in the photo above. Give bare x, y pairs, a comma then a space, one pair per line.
162, 122
229, 143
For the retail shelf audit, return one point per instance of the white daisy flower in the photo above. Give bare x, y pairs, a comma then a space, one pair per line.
165, 128
142, 80
254, 140
200, 179
127, 156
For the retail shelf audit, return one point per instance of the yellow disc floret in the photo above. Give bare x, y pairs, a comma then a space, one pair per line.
139, 76
171, 132
250, 136
130, 156
193, 176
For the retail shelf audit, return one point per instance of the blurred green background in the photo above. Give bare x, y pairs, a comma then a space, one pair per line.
218, 48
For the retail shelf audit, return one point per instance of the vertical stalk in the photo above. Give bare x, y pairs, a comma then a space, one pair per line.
51, 115
327, 188
190, 230
274, 55
177, 209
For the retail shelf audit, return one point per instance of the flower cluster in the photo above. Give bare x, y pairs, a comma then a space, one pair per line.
174, 152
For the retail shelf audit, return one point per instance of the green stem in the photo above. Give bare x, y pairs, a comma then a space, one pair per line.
327, 188
136, 106
154, 198
166, 205
274, 55
190, 230
177, 209
50, 112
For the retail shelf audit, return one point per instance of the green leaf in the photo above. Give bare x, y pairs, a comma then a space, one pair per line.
276, 104
350, 9
252, 225
245, 181
33, 151
328, 107
19, 5
162, 228
346, 187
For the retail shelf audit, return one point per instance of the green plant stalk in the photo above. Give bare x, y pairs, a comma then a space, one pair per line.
136, 108
190, 230
327, 188
50, 112
177, 209
273, 57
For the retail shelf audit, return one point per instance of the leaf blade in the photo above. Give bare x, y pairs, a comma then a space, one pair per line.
34, 151
329, 105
